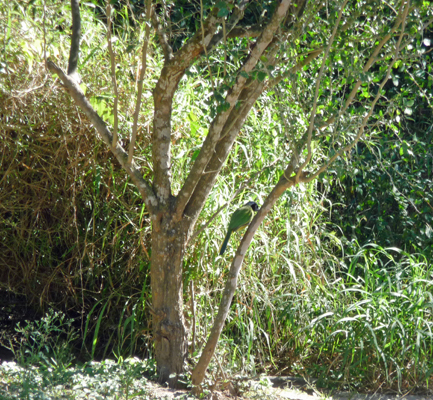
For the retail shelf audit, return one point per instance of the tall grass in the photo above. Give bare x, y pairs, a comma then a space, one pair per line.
74, 231
368, 329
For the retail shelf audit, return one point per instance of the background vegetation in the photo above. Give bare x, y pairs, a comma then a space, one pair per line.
338, 283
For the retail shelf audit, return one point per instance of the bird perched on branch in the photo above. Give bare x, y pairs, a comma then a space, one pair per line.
241, 218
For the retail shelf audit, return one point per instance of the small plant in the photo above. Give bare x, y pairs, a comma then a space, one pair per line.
93, 380
46, 342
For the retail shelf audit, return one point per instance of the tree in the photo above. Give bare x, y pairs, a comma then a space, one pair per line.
330, 60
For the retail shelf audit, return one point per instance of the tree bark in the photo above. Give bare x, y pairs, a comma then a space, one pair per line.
170, 335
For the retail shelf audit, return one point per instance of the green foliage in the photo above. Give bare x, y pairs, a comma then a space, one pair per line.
47, 340
384, 193
106, 379
47, 345
380, 320
368, 325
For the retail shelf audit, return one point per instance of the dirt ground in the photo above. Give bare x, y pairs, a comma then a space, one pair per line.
291, 390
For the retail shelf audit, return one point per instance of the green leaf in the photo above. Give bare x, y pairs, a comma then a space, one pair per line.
223, 9
244, 74
194, 127
262, 76
195, 155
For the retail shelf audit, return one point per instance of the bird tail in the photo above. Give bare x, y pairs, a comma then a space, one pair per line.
226, 240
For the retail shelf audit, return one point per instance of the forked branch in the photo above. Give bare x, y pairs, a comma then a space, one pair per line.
77, 94
285, 182
217, 125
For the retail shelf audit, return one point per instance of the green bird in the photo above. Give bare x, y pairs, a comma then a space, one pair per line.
241, 218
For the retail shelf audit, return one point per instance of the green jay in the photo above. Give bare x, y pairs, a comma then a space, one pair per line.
241, 218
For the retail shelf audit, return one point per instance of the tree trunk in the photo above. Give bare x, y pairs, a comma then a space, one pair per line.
170, 336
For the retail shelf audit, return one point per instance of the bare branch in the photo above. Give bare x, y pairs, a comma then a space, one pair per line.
253, 89
75, 40
311, 56
113, 74
228, 26
235, 17
166, 86
234, 123
140, 80
256, 29
44, 30
231, 282
171, 73
77, 94
246, 32
205, 47
284, 183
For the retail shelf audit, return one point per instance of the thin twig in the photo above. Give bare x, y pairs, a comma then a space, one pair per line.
420, 88
204, 47
316, 95
367, 66
373, 104
133, 171
230, 24
113, 74
191, 287
218, 128
45, 31
310, 57
140, 80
